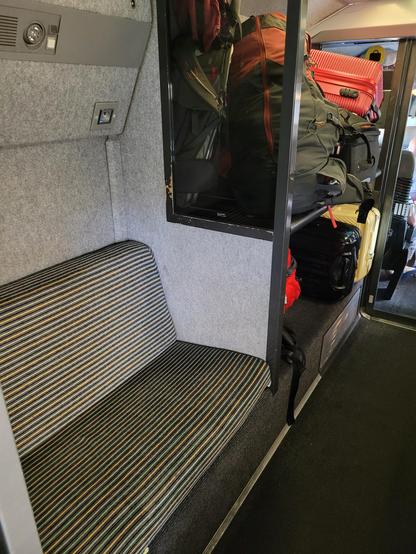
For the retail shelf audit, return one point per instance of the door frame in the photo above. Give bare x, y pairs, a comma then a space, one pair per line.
402, 84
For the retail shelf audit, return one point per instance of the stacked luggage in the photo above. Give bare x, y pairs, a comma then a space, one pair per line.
227, 97
336, 251
255, 95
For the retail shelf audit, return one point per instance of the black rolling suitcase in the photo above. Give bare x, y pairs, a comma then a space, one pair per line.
327, 258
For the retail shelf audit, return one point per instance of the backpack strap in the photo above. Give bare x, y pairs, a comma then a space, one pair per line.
365, 208
235, 7
296, 358
371, 160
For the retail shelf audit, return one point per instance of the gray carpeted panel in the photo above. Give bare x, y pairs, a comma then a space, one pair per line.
311, 319
43, 102
55, 205
117, 188
403, 302
343, 480
190, 529
217, 285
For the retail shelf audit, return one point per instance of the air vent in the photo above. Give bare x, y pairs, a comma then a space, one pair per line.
8, 31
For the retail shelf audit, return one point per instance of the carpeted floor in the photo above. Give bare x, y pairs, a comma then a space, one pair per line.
344, 479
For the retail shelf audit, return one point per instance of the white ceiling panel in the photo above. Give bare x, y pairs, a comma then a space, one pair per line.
368, 20
318, 9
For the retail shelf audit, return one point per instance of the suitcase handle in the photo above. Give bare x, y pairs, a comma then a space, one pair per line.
344, 265
349, 93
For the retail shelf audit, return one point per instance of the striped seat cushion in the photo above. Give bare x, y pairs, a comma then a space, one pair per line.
109, 481
72, 333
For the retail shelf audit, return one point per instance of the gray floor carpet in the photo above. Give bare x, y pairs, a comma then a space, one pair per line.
344, 480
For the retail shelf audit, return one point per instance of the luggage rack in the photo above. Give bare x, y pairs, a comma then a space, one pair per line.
229, 216
301, 220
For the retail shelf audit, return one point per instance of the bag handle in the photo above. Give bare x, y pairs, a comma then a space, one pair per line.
371, 160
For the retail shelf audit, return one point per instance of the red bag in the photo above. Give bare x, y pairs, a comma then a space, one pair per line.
208, 20
355, 84
292, 284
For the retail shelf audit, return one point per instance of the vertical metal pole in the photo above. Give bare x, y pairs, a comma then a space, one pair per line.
292, 83
391, 154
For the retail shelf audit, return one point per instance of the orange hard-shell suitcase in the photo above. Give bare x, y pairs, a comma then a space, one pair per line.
355, 84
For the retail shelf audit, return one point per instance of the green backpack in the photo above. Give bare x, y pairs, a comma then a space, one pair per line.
201, 58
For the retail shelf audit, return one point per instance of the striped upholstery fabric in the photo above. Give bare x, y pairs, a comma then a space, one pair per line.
114, 419
72, 333
109, 481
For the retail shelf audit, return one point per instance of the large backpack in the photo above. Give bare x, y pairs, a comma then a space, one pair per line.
255, 98
201, 57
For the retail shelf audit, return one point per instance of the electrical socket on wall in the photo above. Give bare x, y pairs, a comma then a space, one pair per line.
104, 116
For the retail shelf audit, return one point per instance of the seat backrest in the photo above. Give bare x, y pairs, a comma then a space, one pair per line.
72, 333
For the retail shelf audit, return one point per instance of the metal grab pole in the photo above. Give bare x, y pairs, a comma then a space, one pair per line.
292, 83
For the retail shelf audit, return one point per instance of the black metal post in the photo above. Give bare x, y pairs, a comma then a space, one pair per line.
294, 60
166, 96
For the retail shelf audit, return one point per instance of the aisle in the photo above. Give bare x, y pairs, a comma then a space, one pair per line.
344, 479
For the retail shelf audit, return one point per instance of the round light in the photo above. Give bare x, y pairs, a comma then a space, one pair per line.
34, 34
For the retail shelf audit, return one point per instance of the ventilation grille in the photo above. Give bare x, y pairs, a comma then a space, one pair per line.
8, 31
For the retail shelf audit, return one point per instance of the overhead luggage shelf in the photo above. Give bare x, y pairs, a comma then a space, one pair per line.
238, 224
301, 220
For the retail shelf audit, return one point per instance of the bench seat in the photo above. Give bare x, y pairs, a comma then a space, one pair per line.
105, 476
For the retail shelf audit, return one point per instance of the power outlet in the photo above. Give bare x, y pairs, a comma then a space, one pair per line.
104, 116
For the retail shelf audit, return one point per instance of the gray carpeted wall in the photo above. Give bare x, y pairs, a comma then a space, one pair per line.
60, 186
55, 204
63, 197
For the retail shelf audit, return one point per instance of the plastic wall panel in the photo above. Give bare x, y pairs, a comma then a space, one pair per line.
121, 8
43, 100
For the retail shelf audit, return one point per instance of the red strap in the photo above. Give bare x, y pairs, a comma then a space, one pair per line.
331, 215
